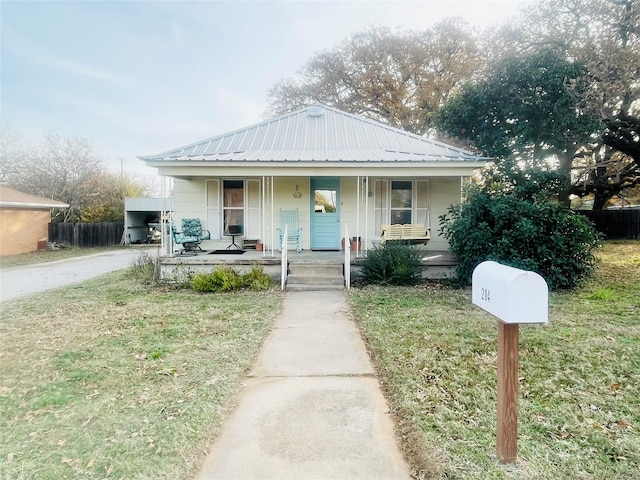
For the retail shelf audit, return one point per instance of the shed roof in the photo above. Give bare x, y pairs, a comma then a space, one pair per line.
318, 133
11, 198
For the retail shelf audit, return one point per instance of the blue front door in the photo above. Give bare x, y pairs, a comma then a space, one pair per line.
325, 213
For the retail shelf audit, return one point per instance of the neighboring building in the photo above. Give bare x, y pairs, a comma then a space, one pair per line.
335, 168
24, 220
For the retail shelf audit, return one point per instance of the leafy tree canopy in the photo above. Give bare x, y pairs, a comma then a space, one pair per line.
604, 36
523, 109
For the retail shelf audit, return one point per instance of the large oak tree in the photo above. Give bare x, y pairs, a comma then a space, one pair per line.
604, 36
399, 78
523, 110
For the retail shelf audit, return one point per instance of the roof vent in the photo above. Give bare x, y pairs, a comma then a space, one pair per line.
315, 111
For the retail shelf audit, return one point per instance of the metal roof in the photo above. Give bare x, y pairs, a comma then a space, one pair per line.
318, 133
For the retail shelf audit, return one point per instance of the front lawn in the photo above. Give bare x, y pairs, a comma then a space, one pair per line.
118, 380
579, 407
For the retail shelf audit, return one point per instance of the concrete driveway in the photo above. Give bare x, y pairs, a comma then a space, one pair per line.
23, 281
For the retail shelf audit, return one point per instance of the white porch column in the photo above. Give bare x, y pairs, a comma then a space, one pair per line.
267, 208
166, 243
362, 194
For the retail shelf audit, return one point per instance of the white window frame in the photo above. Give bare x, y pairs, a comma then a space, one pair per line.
420, 201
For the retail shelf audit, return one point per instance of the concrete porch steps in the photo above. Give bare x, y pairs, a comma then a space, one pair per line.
320, 275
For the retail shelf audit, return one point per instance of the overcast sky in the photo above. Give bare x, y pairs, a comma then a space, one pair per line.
138, 78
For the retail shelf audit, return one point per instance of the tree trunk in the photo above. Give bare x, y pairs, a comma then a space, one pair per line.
599, 200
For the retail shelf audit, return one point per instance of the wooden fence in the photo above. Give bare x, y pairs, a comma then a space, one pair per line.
621, 223
103, 234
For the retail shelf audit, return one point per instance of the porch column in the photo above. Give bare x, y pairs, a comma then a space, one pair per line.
267, 206
166, 245
362, 194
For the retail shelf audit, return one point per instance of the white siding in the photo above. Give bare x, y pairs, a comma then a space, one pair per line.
432, 197
252, 227
444, 193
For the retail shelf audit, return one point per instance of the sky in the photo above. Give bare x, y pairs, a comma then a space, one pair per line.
137, 78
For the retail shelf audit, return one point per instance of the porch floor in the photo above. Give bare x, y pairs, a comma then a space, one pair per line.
253, 257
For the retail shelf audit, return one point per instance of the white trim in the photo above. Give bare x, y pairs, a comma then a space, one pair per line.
416, 211
249, 169
32, 205
212, 211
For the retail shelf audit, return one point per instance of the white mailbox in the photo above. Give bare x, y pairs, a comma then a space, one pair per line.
511, 294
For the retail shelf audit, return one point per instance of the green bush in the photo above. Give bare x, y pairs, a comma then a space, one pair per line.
531, 234
394, 263
225, 279
256, 280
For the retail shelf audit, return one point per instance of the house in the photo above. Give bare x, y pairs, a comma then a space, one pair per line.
339, 171
24, 220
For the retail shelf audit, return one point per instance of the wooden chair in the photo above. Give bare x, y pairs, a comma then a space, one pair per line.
294, 232
191, 235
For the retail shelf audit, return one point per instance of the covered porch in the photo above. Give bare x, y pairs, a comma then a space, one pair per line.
239, 211
435, 264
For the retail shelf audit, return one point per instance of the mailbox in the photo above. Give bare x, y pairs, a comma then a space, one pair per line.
510, 294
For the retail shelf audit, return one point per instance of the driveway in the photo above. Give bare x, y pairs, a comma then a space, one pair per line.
23, 281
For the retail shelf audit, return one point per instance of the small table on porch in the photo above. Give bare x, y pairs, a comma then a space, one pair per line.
234, 231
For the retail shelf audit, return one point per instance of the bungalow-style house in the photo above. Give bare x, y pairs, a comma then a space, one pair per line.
334, 169
24, 220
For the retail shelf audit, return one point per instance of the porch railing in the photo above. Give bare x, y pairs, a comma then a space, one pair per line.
347, 259
284, 260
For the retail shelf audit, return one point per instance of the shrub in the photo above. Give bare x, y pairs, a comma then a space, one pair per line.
394, 263
219, 280
256, 280
225, 279
530, 234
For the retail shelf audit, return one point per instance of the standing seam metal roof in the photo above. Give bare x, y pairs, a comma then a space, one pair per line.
320, 134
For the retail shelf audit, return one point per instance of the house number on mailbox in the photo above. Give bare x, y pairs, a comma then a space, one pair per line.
486, 295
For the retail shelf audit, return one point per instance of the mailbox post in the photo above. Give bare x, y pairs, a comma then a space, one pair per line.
514, 296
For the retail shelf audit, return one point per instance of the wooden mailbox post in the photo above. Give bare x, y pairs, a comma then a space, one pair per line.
514, 296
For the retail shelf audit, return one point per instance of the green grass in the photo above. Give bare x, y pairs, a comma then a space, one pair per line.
122, 380
579, 405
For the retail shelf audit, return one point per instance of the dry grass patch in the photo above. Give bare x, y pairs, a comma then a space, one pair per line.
44, 256
579, 408
119, 380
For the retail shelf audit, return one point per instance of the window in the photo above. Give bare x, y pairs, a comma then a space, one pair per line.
233, 206
401, 201
326, 201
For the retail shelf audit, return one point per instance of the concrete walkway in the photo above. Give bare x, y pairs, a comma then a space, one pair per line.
312, 407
